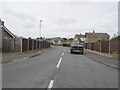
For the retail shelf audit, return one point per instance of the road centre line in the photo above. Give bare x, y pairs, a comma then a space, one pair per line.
62, 53
59, 63
26, 58
52, 81
51, 84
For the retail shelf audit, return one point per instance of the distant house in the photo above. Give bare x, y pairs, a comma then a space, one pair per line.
79, 38
4, 32
67, 41
94, 37
56, 40
49, 40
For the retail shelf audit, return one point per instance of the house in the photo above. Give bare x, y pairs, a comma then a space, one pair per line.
79, 38
94, 37
56, 40
4, 32
67, 41
49, 40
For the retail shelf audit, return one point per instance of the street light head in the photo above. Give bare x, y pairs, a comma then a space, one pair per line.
41, 20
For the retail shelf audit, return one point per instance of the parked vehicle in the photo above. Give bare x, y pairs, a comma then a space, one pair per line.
78, 48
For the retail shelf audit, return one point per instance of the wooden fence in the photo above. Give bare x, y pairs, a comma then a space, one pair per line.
23, 44
106, 46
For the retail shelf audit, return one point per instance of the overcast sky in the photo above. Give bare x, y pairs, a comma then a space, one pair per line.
60, 19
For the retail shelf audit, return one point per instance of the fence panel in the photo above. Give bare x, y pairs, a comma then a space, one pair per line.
97, 46
85, 45
30, 44
0, 44
37, 44
34, 44
88, 46
105, 46
17, 44
92, 46
114, 46
119, 47
46, 44
42, 44
24, 44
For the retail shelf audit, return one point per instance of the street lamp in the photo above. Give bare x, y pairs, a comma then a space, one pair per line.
40, 27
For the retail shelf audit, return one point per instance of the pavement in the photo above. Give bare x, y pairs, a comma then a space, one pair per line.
57, 68
102, 59
11, 57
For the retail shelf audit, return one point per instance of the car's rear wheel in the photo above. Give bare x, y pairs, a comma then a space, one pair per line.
81, 52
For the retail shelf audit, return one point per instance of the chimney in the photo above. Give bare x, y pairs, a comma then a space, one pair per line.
1, 23
93, 31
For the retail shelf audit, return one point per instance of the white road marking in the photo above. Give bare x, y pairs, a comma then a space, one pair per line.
51, 84
62, 53
59, 63
24, 58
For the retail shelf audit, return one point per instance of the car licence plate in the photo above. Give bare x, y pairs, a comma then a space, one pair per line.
77, 50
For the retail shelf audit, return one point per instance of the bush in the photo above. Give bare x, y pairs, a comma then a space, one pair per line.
66, 45
102, 40
116, 38
57, 44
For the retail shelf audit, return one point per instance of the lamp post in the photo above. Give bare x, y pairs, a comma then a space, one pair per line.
40, 27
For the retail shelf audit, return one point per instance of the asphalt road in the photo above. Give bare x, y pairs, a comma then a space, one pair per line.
57, 68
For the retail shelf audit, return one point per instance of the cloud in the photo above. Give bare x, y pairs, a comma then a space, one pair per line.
17, 20
28, 25
60, 0
18, 13
63, 20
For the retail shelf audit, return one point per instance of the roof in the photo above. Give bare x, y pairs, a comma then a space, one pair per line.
79, 35
48, 39
56, 38
66, 40
98, 35
2, 25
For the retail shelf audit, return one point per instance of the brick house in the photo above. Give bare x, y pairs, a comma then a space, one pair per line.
94, 37
4, 34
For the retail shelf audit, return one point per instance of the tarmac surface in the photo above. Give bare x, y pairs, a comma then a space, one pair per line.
57, 68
